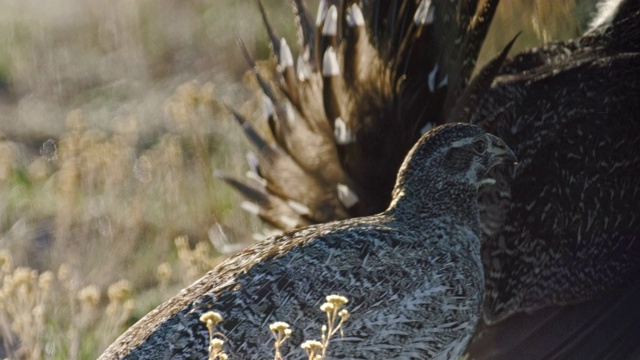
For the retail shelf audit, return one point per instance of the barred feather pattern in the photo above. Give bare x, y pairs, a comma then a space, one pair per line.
413, 274
360, 100
560, 229
566, 229
388, 316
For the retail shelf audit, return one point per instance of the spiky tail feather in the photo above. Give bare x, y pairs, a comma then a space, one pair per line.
371, 76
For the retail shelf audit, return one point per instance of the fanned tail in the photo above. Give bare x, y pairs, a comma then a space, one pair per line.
368, 78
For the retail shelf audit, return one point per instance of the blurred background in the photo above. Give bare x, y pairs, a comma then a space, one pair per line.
112, 125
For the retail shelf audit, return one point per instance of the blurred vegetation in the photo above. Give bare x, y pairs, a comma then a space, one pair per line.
111, 127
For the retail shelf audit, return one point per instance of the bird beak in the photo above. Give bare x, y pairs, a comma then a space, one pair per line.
501, 152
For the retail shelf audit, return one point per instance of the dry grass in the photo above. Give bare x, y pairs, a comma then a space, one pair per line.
111, 133
333, 308
110, 130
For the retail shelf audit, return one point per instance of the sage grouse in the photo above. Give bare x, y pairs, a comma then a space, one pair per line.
561, 241
413, 273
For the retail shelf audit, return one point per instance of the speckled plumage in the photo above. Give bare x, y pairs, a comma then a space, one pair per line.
572, 209
568, 225
413, 274
566, 230
561, 242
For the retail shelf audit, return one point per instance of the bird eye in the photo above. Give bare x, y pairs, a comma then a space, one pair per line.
480, 146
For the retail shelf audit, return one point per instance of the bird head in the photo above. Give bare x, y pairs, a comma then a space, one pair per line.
452, 153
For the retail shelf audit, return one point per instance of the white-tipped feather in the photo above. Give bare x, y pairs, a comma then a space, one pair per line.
250, 207
330, 27
252, 160
286, 58
266, 233
322, 12
303, 68
443, 82
253, 172
431, 15
607, 10
288, 221
299, 207
267, 106
300, 69
291, 115
330, 65
347, 197
428, 126
342, 133
432, 78
425, 14
220, 240
252, 175
487, 181
354, 16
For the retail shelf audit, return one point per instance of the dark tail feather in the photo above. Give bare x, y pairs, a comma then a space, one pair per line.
284, 58
464, 48
274, 39
356, 47
331, 92
478, 28
291, 182
306, 32
256, 139
328, 31
268, 207
367, 91
472, 94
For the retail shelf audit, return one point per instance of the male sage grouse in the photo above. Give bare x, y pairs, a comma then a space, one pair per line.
561, 242
412, 274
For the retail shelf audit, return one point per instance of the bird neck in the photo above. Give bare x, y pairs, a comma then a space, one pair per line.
458, 201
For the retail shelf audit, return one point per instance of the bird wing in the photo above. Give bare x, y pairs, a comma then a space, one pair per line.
564, 229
